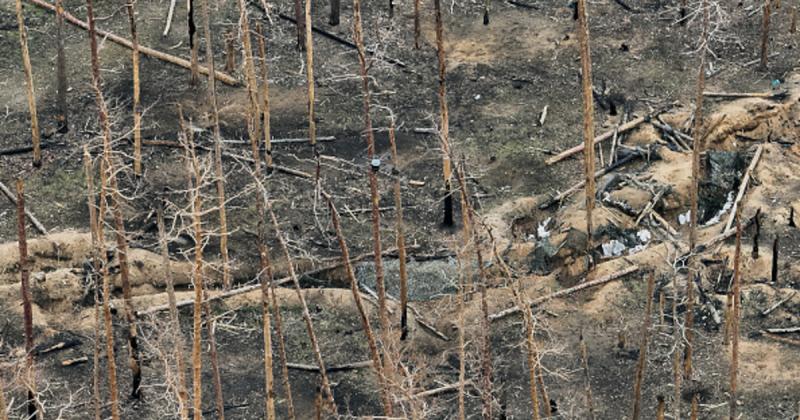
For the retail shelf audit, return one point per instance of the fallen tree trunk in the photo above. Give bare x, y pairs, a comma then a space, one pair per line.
222, 77
743, 186
35, 222
329, 369
565, 292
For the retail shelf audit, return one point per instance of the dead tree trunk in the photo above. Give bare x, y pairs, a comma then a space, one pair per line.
253, 120
735, 316
266, 128
585, 362
368, 331
335, 11
695, 406
137, 112
175, 326
793, 24
399, 233
212, 345
774, 276
660, 409
444, 128
383, 314
765, 35
193, 42
105, 169
26, 63
485, 12
417, 26
756, 235
3, 409
27, 309
688, 327
697, 145
310, 85
300, 23
677, 376
588, 114
88, 170
61, 71
230, 52
642, 362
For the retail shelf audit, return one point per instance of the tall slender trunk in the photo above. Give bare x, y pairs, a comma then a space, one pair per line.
27, 309
175, 326
735, 317
300, 24
588, 114
26, 62
417, 26
214, 356
660, 408
444, 129
688, 327
677, 375
695, 406
194, 45
371, 341
61, 71
585, 361
254, 117
765, 34
105, 169
698, 127
462, 345
335, 11
3, 408
642, 362
399, 233
309, 323
287, 387
310, 85
88, 170
137, 111
383, 313
266, 127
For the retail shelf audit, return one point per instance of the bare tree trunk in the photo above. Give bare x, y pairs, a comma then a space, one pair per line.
276, 313
373, 346
61, 71
444, 128
3, 409
462, 345
266, 128
588, 114
698, 128
695, 406
310, 84
485, 12
417, 26
175, 326
660, 409
326, 388
214, 356
137, 112
194, 45
585, 360
677, 375
335, 11
642, 362
26, 62
91, 202
300, 24
548, 410
104, 169
765, 35
688, 327
399, 233
230, 52
253, 120
735, 317
27, 310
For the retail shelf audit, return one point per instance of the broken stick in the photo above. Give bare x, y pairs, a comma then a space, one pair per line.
222, 77
736, 95
35, 222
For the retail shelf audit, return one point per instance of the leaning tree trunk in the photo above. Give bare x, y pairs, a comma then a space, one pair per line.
26, 63
137, 112
61, 71
444, 128
588, 114
27, 309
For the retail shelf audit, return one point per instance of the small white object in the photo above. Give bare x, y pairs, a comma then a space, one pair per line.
727, 206
376, 163
541, 230
685, 218
614, 248
478, 96
644, 236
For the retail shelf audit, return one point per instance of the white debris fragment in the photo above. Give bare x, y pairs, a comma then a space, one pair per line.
477, 97
541, 230
728, 204
614, 248
644, 236
685, 218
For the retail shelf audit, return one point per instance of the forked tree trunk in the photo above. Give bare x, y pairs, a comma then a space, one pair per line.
175, 327
588, 114
698, 128
88, 170
735, 317
27, 309
137, 112
104, 169
266, 127
370, 335
399, 233
26, 63
444, 128
61, 71
642, 362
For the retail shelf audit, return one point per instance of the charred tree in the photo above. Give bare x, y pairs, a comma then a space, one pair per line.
266, 128
27, 308
689, 328
677, 376
399, 233
310, 85
588, 114
417, 26
193, 44
137, 112
62, 119
88, 170
697, 128
587, 378
335, 11
774, 276
735, 317
757, 234
444, 127
485, 12
26, 63
642, 362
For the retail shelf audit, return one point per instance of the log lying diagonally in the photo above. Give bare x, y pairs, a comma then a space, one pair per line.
222, 77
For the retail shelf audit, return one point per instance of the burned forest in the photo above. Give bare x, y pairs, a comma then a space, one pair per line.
399, 209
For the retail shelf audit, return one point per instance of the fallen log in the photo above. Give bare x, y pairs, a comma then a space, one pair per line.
440, 390
27, 149
565, 292
329, 369
738, 95
788, 330
222, 77
781, 339
34, 221
777, 305
607, 135
743, 186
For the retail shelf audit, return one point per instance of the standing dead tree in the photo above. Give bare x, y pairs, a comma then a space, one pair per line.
27, 309
109, 187
335, 12
588, 114
88, 169
61, 71
26, 63
383, 313
266, 128
585, 364
368, 331
310, 85
642, 362
735, 315
300, 24
254, 117
3, 408
194, 46
677, 376
444, 124
175, 326
400, 238
417, 26
137, 111
698, 127
765, 34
